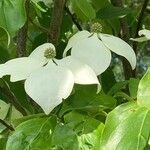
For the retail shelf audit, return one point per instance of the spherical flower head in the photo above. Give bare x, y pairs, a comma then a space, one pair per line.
50, 53
96, 27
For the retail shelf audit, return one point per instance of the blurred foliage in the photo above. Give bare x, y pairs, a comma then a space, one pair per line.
79, 121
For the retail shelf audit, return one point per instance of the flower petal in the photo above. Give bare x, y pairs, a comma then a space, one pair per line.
75, 38
49, 85
145, 32
92, 52
38, 53
83, 74
19, 68
2, 70
119, 47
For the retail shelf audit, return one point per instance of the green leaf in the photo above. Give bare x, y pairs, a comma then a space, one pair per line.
97, 4
110, 12
4, 37
64, 138
127, 128
32, 134
117, 87
87, 128
4, 107
133, 87
143, 95
79, 132
86, 99
81, 123
4, 55
91, 140
107, 77
3, 137
12, 15
83, 10
46, 2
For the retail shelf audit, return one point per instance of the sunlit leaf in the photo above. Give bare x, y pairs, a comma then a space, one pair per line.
127, 127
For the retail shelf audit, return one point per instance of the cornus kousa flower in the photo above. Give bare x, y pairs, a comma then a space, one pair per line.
145, 36
48, 80
95, 48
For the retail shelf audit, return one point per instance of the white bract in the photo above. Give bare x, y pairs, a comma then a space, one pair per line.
145, 32
48, 80
145, 36
95, 49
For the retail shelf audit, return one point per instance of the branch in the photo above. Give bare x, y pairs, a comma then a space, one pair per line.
22, 34
55, 26
12, 99
125, 36
74, 19
6, 125
139, 24
43, 29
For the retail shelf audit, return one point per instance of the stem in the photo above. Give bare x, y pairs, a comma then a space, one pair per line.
55, 26
139, 23
43, 29
6, 125
22, 34
13, 100
125, 36
74, 19
138, 27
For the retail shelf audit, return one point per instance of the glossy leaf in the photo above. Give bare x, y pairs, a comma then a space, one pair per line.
127, 127
64, 138
133, 87
87, 128
143, 95
32, 134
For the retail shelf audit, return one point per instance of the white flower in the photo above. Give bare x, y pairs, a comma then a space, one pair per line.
145, 32
48, 80
145, 36
94, 49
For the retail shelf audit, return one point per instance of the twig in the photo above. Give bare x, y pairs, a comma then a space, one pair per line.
22, 34
38, 26
125, 36
74, 19
12, 99
6, 125
55, 26
139, 23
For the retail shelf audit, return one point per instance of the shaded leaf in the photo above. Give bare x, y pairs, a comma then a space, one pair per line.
83, 10
32, 134
110, 12
12, 15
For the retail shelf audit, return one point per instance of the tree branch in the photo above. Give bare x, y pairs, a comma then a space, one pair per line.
12, 99
22, 34
6, 125
74, 19
139, 23
55, 26
125, 36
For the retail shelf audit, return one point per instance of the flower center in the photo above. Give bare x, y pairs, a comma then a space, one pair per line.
50, 53
96, 27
